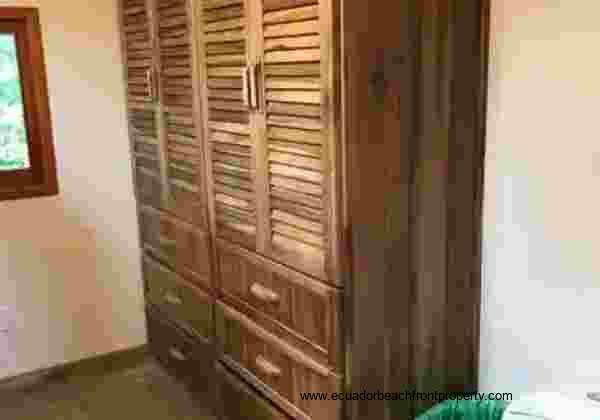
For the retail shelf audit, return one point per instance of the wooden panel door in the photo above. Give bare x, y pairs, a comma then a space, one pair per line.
296, 50
137, 31
225, 53
179, 96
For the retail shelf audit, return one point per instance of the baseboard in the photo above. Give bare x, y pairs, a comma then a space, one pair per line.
94, 366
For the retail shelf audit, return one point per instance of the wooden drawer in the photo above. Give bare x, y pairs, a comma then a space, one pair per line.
183, 302
279, 370
177, 244
307, 311
237, 401
190, 361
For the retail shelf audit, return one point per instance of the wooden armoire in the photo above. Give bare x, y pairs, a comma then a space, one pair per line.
308, 176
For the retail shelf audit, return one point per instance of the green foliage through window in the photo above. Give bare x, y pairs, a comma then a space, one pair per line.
14, 153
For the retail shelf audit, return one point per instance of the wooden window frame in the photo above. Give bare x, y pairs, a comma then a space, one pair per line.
40, 178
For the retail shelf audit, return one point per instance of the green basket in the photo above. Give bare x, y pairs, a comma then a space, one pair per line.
466, 410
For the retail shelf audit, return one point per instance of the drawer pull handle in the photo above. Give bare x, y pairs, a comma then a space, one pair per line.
262, 293
177, 354
173, 299
267, 367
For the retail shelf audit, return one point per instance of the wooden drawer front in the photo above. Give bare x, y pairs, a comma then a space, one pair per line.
278, 369
177, 244
191, 361
183, 302
307, 307
237, 401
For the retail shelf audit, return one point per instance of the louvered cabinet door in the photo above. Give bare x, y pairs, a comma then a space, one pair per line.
298, 101
138, 48
136, 26
225, 51
179, 90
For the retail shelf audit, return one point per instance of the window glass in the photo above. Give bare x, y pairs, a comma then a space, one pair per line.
14, 152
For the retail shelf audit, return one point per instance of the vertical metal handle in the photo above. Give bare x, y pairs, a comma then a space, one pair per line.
258, 83
253, 91
246, 87
150, 83
155, 79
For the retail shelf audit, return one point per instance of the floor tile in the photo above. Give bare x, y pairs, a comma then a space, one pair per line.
145, 392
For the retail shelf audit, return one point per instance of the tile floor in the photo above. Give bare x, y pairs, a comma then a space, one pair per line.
143, 392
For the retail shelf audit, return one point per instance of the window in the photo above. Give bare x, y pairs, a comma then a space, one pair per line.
27, 163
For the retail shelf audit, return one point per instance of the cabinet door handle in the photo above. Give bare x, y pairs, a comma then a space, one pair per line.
155, 79
173, 299
263, 293
177, 354
267, 367
253, 91
258, 83
246, 87
150, 83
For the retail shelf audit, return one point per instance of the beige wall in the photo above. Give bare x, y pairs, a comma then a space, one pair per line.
69, 265
542, 208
